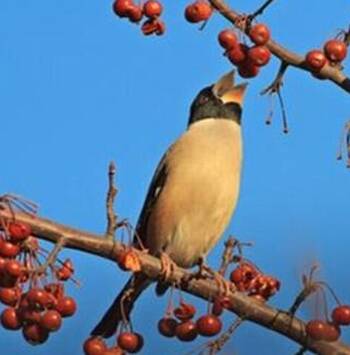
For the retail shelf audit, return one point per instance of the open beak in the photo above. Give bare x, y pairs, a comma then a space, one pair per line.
226, 90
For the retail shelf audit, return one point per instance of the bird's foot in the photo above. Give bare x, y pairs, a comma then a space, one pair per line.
168, 267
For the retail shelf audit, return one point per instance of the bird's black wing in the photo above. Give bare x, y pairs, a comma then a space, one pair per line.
154, 191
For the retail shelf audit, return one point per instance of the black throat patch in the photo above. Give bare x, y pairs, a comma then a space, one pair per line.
207, 105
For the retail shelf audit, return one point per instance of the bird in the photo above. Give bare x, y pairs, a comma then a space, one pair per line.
192, 195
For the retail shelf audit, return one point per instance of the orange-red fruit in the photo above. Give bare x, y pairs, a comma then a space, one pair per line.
259, 55
341, 315
152, 8
198, 11
167, 327
135, 13
66, 306
248, 70
130, 342
51, 320
186, 331
94, 346
13, 268
37, 297
259, 34
238, 54
228, 39
10, 319
331, 332
219, 304
185, 311
19, 231
209, 325
335, 50
315, 329
8, 249
34, 334
65, 271
29, 315
121, 7
10, 296
316, 60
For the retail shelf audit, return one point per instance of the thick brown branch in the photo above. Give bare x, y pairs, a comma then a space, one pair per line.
328, 72
243, 306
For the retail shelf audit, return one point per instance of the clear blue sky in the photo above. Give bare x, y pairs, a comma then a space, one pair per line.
80, 87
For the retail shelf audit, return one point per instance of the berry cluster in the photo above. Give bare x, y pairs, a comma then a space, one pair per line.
249, 60
247, 278
180, 324
151, 9
334, 52
329, 330
33, 304
127, 341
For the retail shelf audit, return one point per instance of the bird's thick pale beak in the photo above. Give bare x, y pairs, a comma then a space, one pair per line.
227, 91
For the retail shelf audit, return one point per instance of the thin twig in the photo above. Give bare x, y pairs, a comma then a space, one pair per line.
227, 255
52, 256
277, 83
260, 10
111, 194
216, 345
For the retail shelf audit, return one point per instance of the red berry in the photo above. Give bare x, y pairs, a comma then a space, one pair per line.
94, 346
259, 34
34, 334
37, 297
121, 7
315, 329
135, 13
65, 271
259, 55
8, 249
10, 296
29, 315
335, 50
341, 315
2, 264
10, 319
167, 327
51, 320
13, 268
186, 331
185, 311
316, 60
331, 332
19, 231
247, 69
228, 39
209, 325
238, 54
152, 8
198, 11
219, 304
66, 306
130, 342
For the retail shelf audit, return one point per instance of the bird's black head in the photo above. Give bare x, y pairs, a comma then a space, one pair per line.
222, 100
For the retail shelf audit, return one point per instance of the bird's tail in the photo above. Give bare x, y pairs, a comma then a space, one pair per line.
122, 306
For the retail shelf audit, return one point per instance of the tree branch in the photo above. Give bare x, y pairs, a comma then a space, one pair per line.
333, 74
262, 314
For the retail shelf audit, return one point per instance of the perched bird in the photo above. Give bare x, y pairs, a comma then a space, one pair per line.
193, 193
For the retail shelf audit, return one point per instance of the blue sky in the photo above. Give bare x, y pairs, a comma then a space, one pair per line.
80, 87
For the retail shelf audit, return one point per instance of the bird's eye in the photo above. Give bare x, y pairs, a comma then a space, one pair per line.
203, 100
